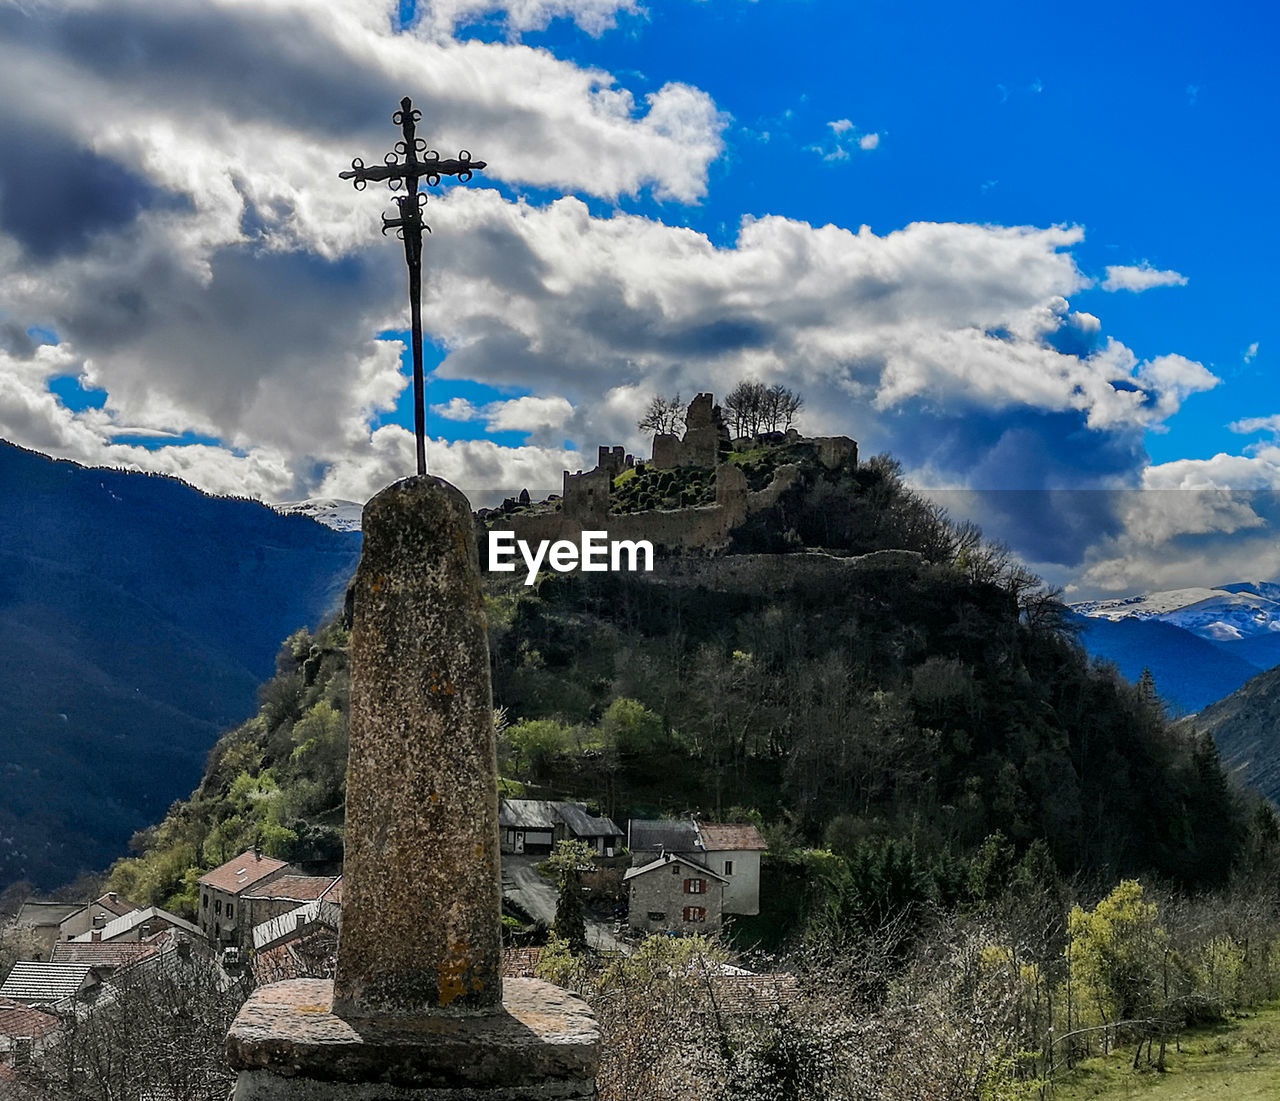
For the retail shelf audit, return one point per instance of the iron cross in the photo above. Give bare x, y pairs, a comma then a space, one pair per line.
409, 226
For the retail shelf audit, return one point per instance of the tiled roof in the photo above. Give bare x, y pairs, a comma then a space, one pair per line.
244, 871
44, 982
100, 954
117, 905
583, 824
18, 1020
309, 956
294, 888
731, 836
666, 859
752, 994
122, 926
673, 835
519, 963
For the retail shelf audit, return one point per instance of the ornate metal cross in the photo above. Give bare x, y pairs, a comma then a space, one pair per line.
409, 226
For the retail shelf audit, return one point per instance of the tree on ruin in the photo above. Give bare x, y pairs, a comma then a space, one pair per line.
753, 408
665, 415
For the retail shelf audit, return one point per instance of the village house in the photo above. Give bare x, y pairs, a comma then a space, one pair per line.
222, 889
94, 915
536, 825
283, 895
24, 1031
44, 920
674, 894
137, 925
730, 849
50, 984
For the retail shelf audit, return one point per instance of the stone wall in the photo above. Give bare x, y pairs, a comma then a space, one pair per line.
704, 429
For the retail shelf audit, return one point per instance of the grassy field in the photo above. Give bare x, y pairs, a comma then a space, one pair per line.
1238, 1060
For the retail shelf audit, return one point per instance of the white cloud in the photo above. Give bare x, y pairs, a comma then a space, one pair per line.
1249, 425
1140, 278
528, 414
593, 16
840, 126
869, 141
1251, 352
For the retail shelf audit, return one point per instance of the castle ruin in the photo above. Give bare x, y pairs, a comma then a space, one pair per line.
703, 529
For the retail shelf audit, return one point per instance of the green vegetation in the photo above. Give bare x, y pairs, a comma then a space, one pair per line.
912, 737
643, 488
1236, 1059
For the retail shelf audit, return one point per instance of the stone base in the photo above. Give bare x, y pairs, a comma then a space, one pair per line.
288, 1045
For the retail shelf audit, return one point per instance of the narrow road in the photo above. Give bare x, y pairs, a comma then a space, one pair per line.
536, 896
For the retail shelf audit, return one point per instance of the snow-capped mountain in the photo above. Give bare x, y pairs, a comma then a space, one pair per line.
1200, 644
339, 515
1230, 613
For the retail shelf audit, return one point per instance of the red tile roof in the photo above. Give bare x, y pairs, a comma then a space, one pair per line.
295, 888
117, 905
20, 1020
726, 837
244, 871
519, 963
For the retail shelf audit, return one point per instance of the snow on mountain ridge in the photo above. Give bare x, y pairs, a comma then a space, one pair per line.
1240, 610
333, 513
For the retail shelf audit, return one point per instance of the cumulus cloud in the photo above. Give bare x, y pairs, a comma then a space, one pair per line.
221, 283
1249, 425
1140, 278
1251, 352
593, 16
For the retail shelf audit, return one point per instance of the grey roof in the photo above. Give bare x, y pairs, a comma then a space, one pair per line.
130, 921
544, 814
673, 835
47, 913
668, 858
320, 911
33, 982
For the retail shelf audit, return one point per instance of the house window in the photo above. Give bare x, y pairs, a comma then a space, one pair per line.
695, 886
231, 911
657, 915
217, 906
21, 1051
675, 869
204, 901
695, 913
728, 867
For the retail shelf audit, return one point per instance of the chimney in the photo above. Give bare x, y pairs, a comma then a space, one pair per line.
113, 896
257, 852
95, 935
99, 920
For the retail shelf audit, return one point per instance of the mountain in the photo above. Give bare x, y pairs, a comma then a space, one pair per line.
1190, 672
333, 513
1200, 644
1246, 728
138, 616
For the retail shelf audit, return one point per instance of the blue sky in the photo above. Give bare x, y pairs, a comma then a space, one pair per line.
1063, 287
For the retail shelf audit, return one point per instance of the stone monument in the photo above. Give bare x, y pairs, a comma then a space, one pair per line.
417, 1008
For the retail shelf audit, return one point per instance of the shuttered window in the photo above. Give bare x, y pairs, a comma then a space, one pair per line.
695, 886
695, 913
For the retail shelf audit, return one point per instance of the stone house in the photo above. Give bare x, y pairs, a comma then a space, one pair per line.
222, 889
536, 825
283, 895
674, 894
94, 915
731, 849
44, 920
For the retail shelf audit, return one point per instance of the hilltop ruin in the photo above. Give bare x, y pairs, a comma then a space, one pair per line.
703, 486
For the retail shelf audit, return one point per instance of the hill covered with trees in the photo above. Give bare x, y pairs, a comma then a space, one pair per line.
907, 699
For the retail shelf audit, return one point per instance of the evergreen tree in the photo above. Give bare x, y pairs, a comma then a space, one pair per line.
570, 860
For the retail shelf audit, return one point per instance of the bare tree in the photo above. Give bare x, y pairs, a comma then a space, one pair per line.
664, 415
752, 408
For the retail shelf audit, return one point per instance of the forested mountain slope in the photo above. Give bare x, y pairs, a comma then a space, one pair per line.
908, 687
138, 617
1246, 727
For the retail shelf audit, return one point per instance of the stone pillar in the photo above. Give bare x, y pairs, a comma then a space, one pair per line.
421, 897
417, 1008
